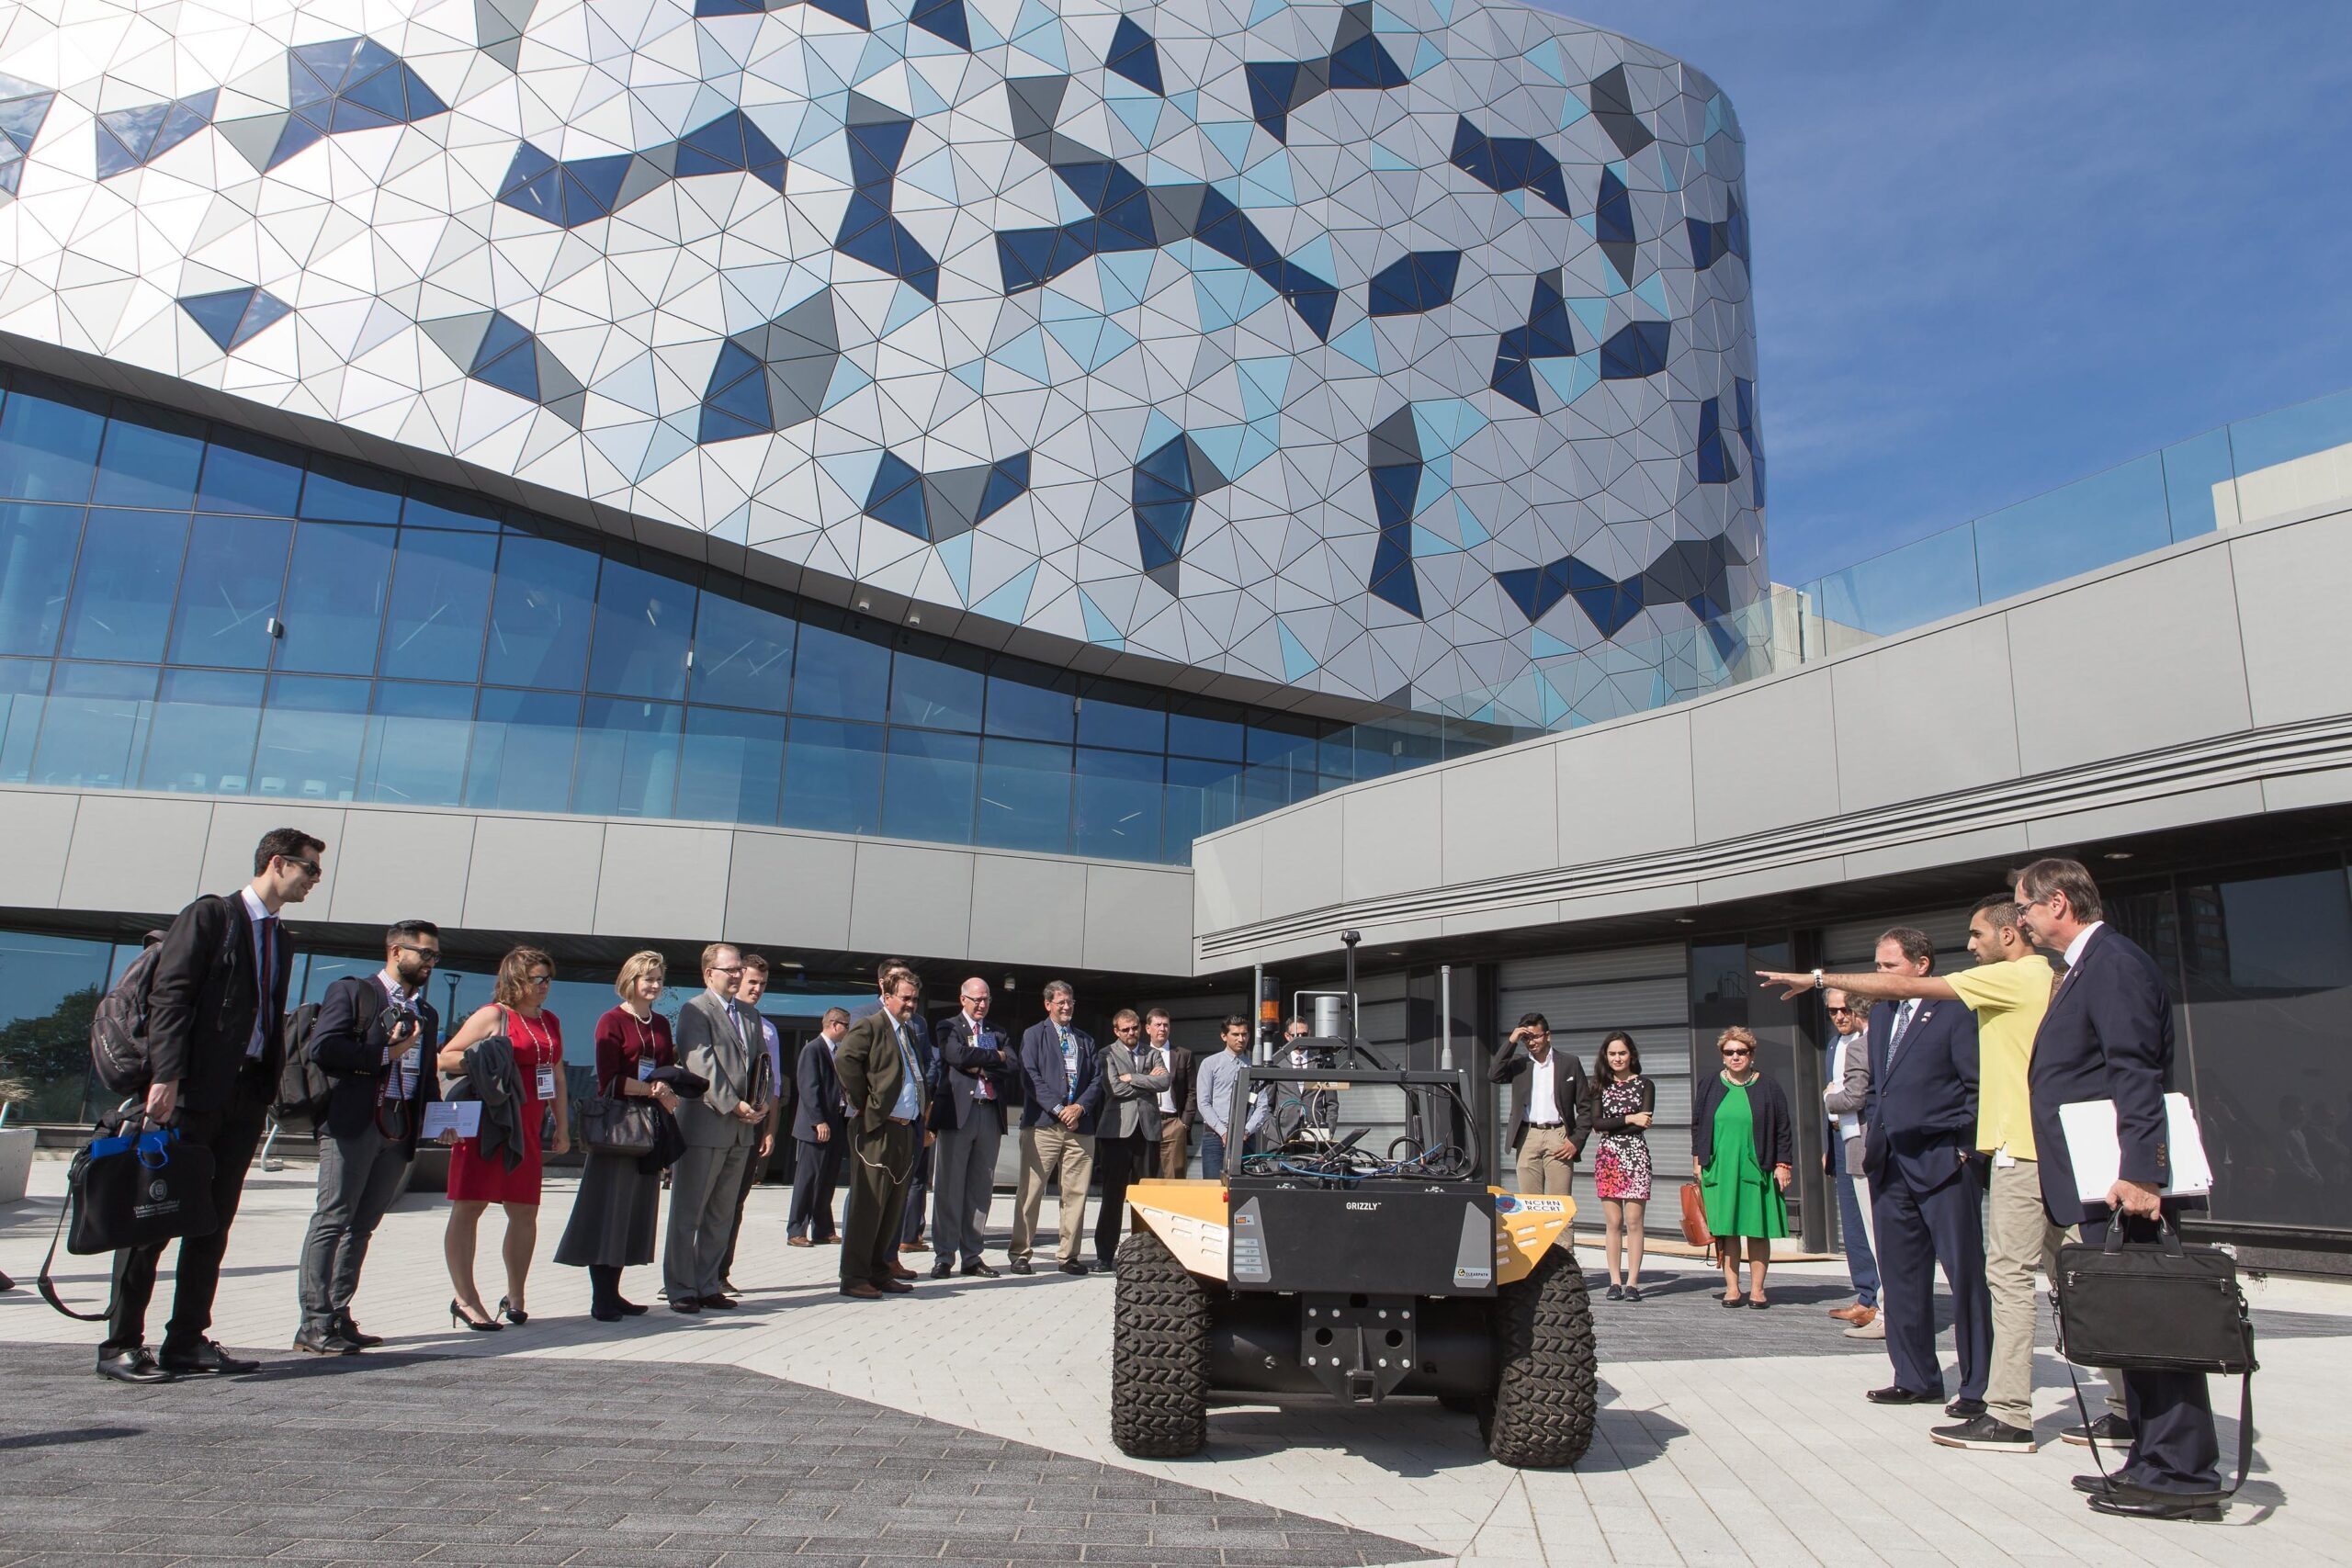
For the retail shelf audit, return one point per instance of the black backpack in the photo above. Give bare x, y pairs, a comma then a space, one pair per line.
302, 1084
119, 1027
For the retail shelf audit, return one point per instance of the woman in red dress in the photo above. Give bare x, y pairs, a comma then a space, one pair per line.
519, 1012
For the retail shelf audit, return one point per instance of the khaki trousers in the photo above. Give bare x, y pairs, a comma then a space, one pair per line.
1538, 1171
1175, 1147
2018, 1238
1051, 1149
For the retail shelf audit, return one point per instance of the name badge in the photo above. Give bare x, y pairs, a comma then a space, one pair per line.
645, 1069
547, 1081
410, 1060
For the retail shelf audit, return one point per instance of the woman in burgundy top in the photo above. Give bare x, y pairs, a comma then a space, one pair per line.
517, 1010
611, 1223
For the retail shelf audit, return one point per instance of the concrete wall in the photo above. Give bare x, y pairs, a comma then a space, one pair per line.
2201, 682
105, 851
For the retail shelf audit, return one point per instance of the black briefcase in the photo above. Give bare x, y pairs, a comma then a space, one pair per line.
2156, 1306
131, 1186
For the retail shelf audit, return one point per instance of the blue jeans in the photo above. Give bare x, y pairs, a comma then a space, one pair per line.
1860, 1262
1211, 1153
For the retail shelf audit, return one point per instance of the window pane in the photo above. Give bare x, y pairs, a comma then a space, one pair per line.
1196, 734
415, 753
1022, 705
95, 725
1279, 741
538, 623
36, 545
122, 593
731, 766
201, 741
833, 777
149, 459
245, 473
1105, 720
311, 738
927, 791
430, 506
229, 591
48, 442
742, 653
333, 608
628, 759
1117, 811
1201, 798
522, 751
644, 623
48, 985
1024, 797
934, 695
24, 689
838, 676
345, 493
441, 587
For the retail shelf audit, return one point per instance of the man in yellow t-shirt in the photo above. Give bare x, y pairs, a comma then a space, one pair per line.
2008, 991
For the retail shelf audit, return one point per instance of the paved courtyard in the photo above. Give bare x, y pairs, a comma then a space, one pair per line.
967, 1425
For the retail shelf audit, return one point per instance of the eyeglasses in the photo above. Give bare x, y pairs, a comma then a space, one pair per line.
1835, 1010
310, 867
426, 955
726, 968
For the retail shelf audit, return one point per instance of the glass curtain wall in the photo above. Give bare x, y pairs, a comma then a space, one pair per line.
185, 608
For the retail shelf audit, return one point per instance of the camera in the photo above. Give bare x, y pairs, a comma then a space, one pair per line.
397, 1018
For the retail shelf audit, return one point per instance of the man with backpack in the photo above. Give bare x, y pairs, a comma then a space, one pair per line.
374, 1039
215, 1044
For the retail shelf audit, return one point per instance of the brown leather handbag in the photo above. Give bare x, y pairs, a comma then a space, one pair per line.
1694, 1216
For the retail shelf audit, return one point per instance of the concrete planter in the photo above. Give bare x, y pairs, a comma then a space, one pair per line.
15, 1161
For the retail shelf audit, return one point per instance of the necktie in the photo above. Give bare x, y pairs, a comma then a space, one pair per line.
265, 971
1902, 1024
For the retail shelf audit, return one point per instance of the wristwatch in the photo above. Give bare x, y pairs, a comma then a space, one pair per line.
1816, 979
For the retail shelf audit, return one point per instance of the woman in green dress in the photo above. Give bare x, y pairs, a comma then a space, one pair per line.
1743, 1149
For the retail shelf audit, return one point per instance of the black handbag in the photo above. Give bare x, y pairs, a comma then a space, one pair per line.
2156, 1306
130, 1188
620, 1125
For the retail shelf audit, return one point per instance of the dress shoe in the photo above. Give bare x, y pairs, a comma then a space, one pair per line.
1964, 1408
901, 1271
1852, 1312
1858, 1316
1986, 1434
860, 1291
1021, 1265
914, 1246
511, 1313
350, 1331
1896, 1395
324, 1342
137, 1364
828, 1241
2095, 1485
717, 1304
1874, 1329
203, 1356
798, 1241
458, 1314
1074, 1266
897, 1288
685, 1303
2109, 1428
943, 1271
2126, 1501
631, 1309
980, 1271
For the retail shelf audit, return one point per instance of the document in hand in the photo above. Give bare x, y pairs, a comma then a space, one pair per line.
2096, 1155
462, 1117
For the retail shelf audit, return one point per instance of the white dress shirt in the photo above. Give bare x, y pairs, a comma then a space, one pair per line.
1542, 1100
2082, 939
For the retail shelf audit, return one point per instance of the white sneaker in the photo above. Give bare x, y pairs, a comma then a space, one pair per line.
1876, 1330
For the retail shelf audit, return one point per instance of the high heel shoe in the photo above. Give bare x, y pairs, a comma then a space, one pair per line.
510, 1314
457, 1316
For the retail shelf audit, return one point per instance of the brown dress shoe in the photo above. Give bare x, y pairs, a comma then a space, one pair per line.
1864, 1317
897, 1288
901, 1271
914, 1246
798, 1241
862, 1291
1852, 1313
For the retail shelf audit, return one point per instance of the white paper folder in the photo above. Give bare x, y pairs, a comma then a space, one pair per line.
2096, 1154
462, 1117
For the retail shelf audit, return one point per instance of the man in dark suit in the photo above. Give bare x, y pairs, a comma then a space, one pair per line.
216, 1041
2107, 1035
748, 992
819, 1130
919, 1176
1549, 1118
885, 1097
1178, 1113
1927, 1195
372, 1037
968, 1118
1064, 1083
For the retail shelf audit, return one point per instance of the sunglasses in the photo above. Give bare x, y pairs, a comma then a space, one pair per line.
1737, 1051
538, 979
1845, 1009
310, 867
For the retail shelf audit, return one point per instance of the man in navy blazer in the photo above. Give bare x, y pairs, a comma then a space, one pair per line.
1918, 1151
1063, 1080
819, 1122
2107, 1035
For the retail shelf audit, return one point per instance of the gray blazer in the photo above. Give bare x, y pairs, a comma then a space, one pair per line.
1132, 1108
1851, 1096
734, 1059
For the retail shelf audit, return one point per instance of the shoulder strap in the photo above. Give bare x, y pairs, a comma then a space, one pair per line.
2245, 1430
48, 1287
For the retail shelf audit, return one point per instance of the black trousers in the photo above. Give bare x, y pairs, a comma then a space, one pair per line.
1917, 1230
2174, 1446
1118, 1161
754, 1167
817, 1172
879, 1167
918, 1194
233, 1133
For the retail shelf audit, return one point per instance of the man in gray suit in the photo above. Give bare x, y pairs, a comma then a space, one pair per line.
718, 1043
1126, 1140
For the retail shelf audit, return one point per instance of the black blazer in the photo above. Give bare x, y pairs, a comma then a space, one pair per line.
1776, 1138
202, 1000
1180, 1085
1516, 1067
965, 1061
350, 1046
820, 1093
2107, 1035
1921, 1117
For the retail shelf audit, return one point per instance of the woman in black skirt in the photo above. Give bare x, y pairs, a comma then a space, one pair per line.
612, 1225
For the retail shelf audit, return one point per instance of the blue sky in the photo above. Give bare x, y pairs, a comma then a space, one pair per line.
2002, 245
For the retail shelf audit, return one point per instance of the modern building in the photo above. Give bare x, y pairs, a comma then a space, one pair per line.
1064, 491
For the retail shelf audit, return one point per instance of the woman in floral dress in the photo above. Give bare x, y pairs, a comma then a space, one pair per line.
1622, 1103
